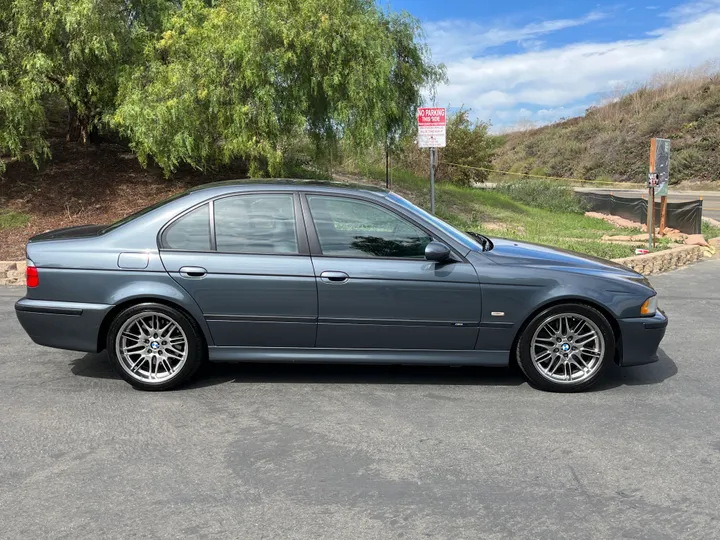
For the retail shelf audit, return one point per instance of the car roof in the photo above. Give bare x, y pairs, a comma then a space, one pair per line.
285, 183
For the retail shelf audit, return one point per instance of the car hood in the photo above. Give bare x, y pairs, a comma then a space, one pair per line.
70, 233
513, 252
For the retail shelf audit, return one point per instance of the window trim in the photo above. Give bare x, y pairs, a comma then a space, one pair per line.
314, 238
300, 230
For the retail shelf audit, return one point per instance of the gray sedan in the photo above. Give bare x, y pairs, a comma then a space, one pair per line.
290, 271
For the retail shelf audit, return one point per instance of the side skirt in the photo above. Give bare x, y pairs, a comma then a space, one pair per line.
359, 356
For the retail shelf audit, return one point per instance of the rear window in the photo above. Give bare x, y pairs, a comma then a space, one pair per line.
190, 232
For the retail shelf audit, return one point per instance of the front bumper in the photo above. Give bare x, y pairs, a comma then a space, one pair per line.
640, 338
63, 325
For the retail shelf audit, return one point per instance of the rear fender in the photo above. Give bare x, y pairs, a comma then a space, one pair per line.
167, 293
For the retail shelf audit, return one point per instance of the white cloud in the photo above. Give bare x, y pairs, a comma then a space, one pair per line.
454, 39
562, 81
693, 9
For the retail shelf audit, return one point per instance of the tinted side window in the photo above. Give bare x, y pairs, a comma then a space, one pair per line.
353, 228
190, 232
263, 223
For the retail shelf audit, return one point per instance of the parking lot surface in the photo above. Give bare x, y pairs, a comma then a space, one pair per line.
349, 452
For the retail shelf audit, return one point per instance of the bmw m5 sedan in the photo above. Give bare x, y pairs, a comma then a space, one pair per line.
296, 271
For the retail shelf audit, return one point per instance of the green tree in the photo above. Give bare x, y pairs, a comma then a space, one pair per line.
469, 144
248, 78
70, 50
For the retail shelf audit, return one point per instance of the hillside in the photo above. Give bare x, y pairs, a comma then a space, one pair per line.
612, 141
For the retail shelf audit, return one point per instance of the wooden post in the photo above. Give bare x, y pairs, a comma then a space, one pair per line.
663, 213
651, 197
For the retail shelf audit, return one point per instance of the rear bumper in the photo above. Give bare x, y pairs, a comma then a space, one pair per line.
640, 339
63, 325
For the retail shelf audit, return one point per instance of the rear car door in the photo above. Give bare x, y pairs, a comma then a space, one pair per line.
245, 260
376, 290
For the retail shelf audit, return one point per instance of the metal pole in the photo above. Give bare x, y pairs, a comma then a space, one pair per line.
387, 167
651, 216
663, 213
432, 181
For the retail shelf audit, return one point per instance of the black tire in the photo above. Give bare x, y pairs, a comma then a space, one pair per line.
196, 348
535, 375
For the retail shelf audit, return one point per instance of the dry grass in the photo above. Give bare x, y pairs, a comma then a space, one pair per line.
628, 101
612, 140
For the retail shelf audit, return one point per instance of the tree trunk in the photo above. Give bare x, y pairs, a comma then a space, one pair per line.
78, 126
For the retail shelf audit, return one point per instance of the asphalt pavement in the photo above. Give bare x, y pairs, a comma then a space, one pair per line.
711, 199
355, 452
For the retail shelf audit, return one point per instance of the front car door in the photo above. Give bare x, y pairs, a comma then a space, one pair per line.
245, 260
376, 290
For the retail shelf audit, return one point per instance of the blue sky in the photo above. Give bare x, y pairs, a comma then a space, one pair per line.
523, 62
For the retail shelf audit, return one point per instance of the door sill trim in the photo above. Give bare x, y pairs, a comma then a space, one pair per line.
359, 356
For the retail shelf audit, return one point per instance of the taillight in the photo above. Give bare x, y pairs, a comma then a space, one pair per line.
31, 275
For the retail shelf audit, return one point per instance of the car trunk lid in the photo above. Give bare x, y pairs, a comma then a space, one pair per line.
69, 233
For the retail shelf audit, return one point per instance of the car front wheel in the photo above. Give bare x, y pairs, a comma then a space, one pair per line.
566, 348
154, 347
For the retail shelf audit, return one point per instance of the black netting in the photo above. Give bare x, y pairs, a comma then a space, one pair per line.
683, 216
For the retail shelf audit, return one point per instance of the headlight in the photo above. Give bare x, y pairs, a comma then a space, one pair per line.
649, 308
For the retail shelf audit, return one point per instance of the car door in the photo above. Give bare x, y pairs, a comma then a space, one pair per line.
375, 288
245, 260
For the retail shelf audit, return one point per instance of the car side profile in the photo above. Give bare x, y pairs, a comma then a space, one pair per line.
296, 271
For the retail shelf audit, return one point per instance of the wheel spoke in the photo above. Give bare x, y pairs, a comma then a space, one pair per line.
137, 364
145, 327
164, 329
552, 367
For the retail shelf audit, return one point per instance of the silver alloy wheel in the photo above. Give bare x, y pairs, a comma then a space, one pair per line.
567, 348
151, 347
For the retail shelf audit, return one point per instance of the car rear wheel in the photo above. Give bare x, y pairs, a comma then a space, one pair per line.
566, 348
154, 347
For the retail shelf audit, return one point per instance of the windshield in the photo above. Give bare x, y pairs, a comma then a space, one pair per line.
448, 229
142, 212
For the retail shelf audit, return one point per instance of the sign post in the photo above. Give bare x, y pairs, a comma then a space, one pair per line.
432, 125
662, 168
658, 183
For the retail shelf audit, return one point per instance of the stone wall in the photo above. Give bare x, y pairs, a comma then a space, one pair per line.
662, 261
12, 272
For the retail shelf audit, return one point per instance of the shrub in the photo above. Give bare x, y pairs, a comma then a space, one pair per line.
545, 194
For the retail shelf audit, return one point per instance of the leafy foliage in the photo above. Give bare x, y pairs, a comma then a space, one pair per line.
468, 144
69, 49
205, 82
246, 78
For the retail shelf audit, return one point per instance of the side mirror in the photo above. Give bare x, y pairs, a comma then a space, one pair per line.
435, 251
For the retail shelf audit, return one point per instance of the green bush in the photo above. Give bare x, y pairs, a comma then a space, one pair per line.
539, 171
546, 194
12, 220
710, 231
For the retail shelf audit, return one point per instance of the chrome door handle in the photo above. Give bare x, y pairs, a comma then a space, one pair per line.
193, 272
334, 277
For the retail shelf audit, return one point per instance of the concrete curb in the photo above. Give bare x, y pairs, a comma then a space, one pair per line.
663, 261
